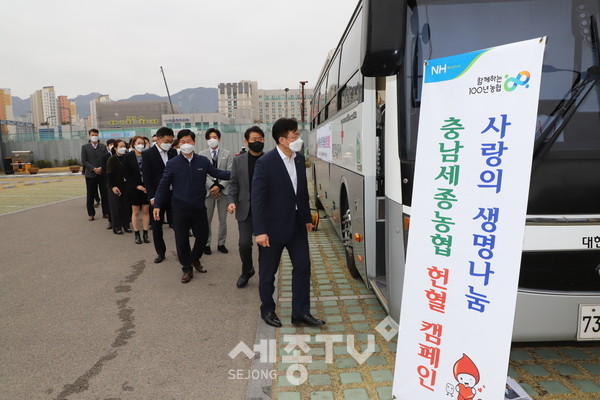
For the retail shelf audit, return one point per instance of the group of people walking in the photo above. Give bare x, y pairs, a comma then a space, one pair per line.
267, 192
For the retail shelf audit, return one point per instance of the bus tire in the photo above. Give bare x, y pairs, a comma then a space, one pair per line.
346, 225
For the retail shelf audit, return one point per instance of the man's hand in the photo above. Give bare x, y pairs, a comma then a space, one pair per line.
152, 202
156, 213
231, 208
215, 192
310, 227
141, 188
98, 170
116, 191
263, 240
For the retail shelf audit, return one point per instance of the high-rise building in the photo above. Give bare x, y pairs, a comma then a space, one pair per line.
244, 102
279, 103
239, 101
93, 112
44, 107
6, 111
68, 110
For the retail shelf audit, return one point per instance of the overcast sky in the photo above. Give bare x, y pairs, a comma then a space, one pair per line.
116, 47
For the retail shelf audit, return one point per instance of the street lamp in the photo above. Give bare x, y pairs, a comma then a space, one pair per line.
286, 104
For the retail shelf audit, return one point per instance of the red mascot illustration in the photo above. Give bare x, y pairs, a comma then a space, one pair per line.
467, 375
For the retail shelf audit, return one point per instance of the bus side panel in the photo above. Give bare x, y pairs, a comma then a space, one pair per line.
395, 261
321, 174
353, 183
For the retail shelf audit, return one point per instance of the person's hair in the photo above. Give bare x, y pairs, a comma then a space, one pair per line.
164, 131
110, 141
116, 144
211, 130
253, 129
134, 139
153, 136
175, 143
186, 132
282, 126
146, 140
93, 130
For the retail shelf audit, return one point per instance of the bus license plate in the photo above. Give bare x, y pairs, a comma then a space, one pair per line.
589, 322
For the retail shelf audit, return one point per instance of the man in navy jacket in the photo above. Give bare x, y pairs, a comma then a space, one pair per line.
281, 217
186, 173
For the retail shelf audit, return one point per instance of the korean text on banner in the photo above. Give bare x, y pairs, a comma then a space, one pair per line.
476, 133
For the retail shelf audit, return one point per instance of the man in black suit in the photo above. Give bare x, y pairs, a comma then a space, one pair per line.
154, 161
281, 218
91, 158
186, 173
240, 187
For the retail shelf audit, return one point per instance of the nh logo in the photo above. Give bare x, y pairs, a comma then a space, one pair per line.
440, 69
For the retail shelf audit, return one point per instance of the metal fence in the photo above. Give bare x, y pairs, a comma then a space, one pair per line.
57, 148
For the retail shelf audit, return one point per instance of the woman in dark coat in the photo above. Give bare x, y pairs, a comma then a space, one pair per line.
119, 209
136, 191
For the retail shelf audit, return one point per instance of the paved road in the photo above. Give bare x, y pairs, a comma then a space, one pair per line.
85, 314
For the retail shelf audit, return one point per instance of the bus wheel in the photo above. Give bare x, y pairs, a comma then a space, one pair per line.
347, 241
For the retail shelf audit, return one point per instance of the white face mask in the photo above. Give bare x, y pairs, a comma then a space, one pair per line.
94, 139
110, 147
153, 143
139, 147
187, 148
165, 146
212, 143
122, 150
296, 145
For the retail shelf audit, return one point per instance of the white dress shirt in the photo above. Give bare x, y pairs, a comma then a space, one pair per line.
290, 165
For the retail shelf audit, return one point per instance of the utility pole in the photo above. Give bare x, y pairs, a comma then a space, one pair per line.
168, 94
302, 83
286, 104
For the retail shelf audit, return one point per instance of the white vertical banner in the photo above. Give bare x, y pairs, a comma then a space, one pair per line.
474, 152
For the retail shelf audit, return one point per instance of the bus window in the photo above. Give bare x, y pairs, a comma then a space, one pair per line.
559, 183
350, 61
352, 91
332, 78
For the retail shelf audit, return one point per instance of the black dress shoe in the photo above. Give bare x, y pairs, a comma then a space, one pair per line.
244, 278
119, 232
222, 249
271, 319
127, 229
207, 251
159, 258
308, 320
109, 226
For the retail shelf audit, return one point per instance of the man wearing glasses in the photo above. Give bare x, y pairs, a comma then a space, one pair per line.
281, 218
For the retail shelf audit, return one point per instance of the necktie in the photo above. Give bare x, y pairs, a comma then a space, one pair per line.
214, 157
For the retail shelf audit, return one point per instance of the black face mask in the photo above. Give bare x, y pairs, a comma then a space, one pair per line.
256, 147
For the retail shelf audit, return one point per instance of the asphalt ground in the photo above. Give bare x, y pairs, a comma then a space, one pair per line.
86, 314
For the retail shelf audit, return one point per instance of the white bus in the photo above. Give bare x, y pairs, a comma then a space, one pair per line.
363, 133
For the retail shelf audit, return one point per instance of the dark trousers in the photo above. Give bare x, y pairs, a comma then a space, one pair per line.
268, 260
245, 244
157, 229
92, 185
184, 220
120, 211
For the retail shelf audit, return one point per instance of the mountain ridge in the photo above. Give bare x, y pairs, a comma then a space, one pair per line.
191, 100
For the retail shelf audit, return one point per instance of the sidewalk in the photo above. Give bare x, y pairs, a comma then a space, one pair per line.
548, 371
352, 312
